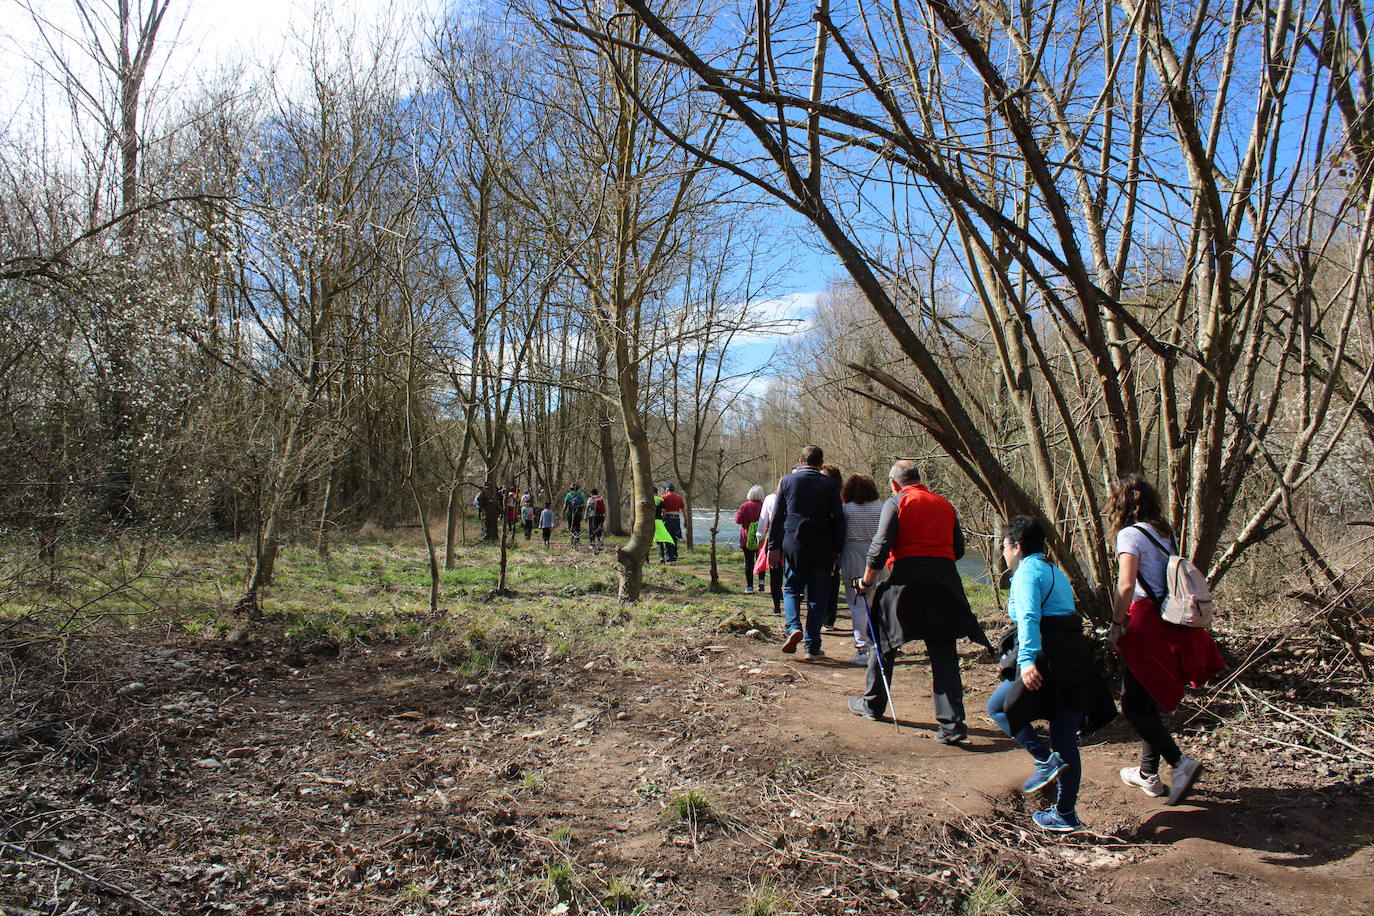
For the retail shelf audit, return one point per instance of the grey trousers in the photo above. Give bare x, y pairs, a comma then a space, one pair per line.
948, 685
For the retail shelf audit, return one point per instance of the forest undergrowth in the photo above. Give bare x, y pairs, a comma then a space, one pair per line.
559, 752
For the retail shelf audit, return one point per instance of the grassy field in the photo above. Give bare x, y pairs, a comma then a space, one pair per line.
376, 589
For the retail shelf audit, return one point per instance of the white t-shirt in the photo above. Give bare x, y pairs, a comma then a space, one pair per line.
770, 502
1154, 565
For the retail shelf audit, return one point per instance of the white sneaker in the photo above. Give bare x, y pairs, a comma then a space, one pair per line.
1151, 785
1186, 772
749, 590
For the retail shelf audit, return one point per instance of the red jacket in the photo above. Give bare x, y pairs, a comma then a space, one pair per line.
1165, 657
746, 515
925, 525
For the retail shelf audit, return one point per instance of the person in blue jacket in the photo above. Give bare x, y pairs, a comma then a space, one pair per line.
1051, 674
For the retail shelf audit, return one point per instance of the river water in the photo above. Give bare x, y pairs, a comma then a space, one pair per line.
970, 567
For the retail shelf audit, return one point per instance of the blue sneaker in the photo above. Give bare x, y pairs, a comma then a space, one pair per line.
1046, 772
1052, 820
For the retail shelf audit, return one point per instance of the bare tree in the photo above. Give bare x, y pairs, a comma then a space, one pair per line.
644, 204
1032, 149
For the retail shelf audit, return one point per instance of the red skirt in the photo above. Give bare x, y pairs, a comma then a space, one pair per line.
1167, 658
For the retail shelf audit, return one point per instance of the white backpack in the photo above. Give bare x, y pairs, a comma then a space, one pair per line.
1187, 599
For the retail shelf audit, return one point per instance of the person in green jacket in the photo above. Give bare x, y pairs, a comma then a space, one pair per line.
662, 536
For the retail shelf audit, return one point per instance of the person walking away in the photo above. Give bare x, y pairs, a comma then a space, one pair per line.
511, 513
662, 536
747, 517
762, 565
596, 521
807, 534
1050, 673
546, 522
1160, 658
673, 507
862, 510
527, 517
918, 540
574, 507
833, 604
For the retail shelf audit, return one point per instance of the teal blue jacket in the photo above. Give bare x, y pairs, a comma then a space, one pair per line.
1038, 589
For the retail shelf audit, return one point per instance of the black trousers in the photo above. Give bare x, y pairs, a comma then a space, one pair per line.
749, 557
834, 599
1143, 713
948, 685
775, 586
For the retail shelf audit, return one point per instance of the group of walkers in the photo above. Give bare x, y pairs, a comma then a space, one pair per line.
578, 507
519, 512
818, 529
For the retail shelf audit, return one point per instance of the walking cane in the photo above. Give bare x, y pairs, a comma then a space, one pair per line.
878, 655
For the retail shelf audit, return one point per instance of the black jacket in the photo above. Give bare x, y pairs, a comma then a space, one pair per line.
1073, 679
923, 598
808, 519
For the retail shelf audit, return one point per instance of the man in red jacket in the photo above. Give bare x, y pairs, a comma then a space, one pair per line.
918, 540
673, 507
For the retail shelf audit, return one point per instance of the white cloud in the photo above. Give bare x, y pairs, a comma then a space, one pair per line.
778, 317
197, 39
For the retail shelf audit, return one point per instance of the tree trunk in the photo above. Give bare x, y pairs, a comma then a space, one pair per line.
494, 506
615, 521
322, 535
429, 545
632, 555
453, 516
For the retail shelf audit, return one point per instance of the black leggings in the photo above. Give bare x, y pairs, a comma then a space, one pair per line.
775, 586
1142, 712
749, 557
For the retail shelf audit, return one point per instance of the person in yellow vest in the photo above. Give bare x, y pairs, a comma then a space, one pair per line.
918, 540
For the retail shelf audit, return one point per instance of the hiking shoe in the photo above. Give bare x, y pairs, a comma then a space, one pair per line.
860, 659
1186, 772
954, 737
1046, 772
1151, 785
813, 654
749, 589
1052, 820
793, 640
859, 708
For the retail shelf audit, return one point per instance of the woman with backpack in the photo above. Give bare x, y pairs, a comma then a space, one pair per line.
1160, 658
747, 517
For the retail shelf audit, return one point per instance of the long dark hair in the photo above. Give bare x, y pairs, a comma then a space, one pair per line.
1134, 500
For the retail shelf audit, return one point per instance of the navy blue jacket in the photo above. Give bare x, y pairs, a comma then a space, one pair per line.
808, 519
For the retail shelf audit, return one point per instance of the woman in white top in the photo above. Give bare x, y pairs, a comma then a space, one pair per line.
862, 509
774, 575
1159, 658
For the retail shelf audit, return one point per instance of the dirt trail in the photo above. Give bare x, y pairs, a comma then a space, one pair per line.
263, 779
1245, 847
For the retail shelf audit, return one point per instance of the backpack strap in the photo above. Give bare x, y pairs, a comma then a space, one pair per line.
1156, 598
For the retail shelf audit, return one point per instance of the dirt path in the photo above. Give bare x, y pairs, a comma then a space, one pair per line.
1240, 843
263, 779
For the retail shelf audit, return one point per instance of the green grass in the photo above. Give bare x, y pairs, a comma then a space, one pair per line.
693, 807
367, 589
560, 879
991, 896
622, 896
764, 900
